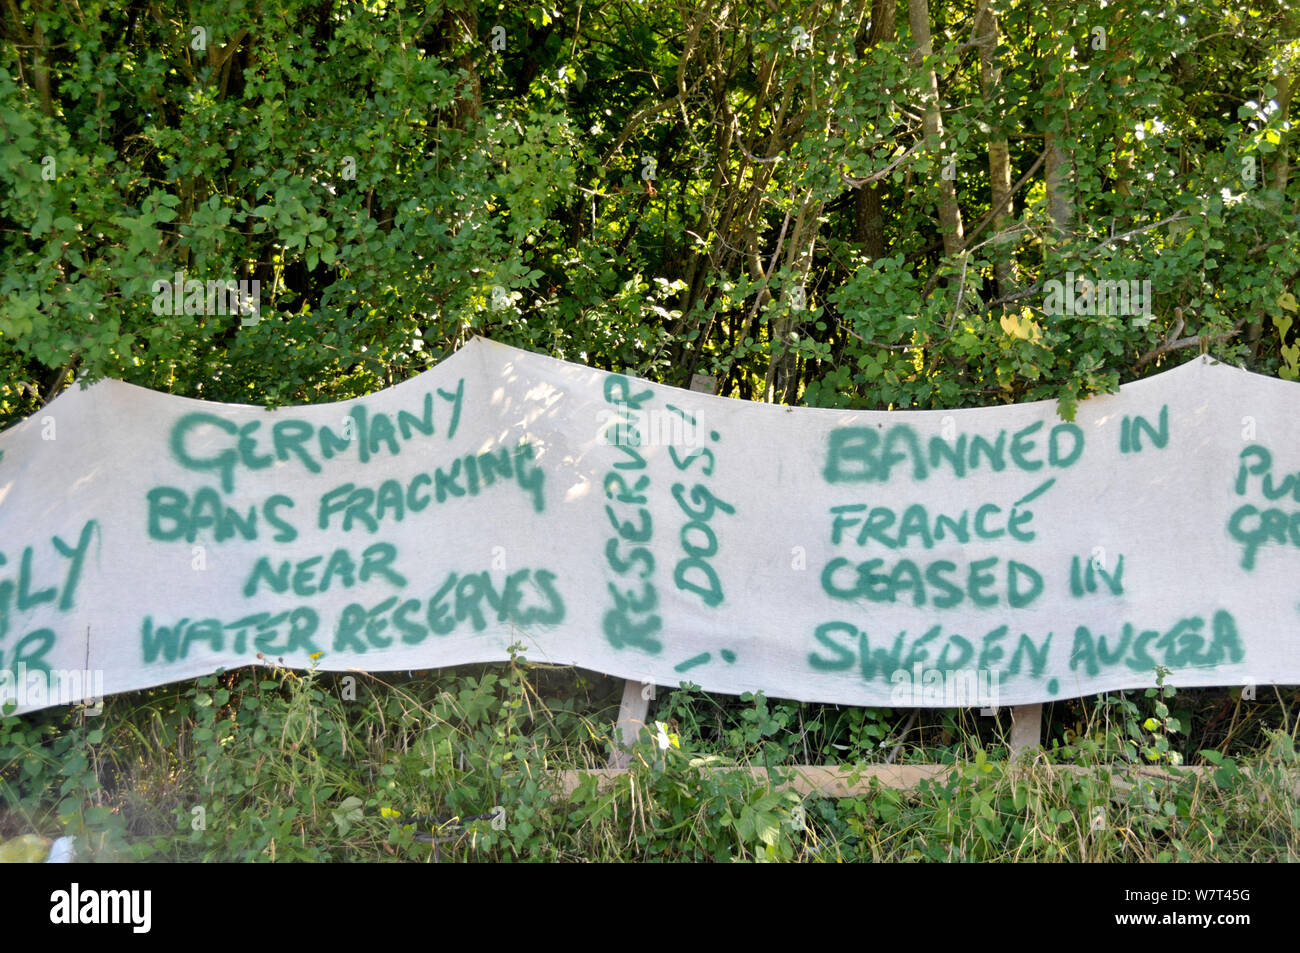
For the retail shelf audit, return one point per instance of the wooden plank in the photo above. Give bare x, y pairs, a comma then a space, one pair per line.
838, 780
831, 780
1026, 729
634, 709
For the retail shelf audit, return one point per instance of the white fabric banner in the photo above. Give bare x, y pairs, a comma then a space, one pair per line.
915, 558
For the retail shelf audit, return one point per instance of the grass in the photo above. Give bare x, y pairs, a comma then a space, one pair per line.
463, 765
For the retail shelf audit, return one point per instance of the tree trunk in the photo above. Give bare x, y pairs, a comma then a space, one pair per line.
918, 17
868, 202
986, 31
1280, 173
1056, 165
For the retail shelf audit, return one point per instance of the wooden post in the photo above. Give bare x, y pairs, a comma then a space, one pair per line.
632, 712
635, 706
1026, 729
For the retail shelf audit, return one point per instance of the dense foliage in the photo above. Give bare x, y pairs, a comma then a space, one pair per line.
837, 204
861, 204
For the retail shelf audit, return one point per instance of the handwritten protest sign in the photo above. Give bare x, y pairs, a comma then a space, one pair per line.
975, 557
